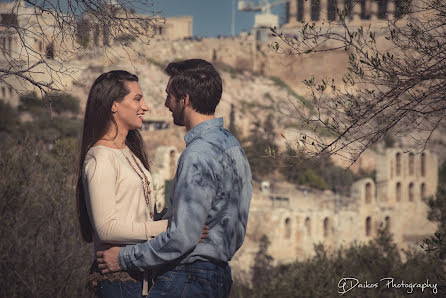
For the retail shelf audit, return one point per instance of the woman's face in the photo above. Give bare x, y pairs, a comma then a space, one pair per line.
128, 112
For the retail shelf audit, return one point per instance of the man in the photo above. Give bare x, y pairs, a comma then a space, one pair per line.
212, 186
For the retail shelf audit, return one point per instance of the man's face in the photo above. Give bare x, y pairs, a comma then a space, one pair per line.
175, 106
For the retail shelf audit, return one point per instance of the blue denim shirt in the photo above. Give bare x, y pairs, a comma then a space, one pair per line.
212, 186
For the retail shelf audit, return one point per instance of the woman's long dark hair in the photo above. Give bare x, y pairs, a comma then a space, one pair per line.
107, 88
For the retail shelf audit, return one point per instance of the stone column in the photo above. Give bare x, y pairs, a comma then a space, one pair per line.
372, 9
340, 5
391, 9
307, 11
356, 11
292, 11
323, 10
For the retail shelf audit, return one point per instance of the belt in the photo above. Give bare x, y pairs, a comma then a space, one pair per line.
169, 267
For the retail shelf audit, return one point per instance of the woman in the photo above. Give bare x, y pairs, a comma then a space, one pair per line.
114, 184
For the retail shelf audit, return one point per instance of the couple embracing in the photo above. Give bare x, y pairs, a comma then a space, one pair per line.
186, 253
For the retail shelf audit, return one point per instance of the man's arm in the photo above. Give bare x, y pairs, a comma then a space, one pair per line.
194, 192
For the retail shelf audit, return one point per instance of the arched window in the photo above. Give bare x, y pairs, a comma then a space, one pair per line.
315, 10
399, 8
331, 10
10, 44
382, 9
398, 164
287, 228
423, 190
50, 51
364, 14
411, 192
368, 193
368, 226
300, 10
308, 226
398, 192
411, 164
326, 227
387, 223
423, 164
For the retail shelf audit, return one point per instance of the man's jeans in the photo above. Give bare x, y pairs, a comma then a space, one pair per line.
118, 289
199, 279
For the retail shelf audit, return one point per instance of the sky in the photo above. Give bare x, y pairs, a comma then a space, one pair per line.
211, 17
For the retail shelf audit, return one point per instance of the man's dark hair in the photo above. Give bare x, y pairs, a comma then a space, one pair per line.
200, 80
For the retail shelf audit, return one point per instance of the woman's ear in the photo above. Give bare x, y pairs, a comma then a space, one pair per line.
114, 108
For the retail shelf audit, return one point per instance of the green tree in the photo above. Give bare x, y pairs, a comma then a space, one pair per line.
318, 172
263, 264
8, 117
437, 213
322, 274
235, 131
43, 254
260, 148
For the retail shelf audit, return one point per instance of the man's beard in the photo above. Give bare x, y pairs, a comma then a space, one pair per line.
178, 118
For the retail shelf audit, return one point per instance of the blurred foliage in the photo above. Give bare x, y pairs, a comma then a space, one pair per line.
436, 245
259, 147
42, 254
279, 82
320, 275
318, 172
59, 103
266, 161
8, 117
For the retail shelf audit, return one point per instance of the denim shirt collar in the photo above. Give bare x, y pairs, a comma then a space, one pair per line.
198, 129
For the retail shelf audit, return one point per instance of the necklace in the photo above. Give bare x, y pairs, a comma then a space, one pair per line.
142, 176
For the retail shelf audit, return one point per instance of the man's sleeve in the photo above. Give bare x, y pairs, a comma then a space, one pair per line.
194, 192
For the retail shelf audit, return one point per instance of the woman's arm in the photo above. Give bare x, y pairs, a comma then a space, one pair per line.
100, 185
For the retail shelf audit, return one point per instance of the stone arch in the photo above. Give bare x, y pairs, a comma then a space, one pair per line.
326, 227
422, 190
368, 193
398, 163
411, 192
308, 226
398, 191
368, 226
287, 228
423, 164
